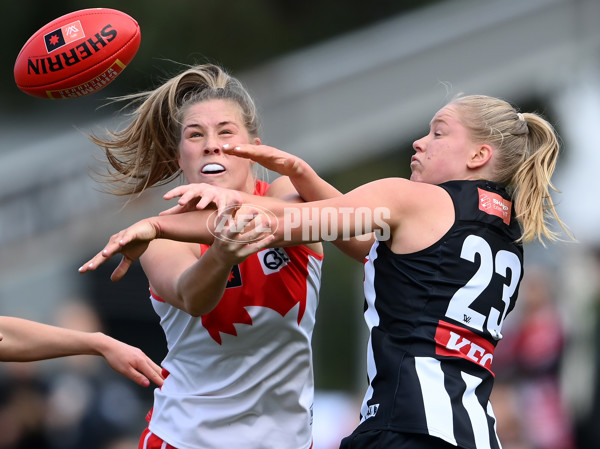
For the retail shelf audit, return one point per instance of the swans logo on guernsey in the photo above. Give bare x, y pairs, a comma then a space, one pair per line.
455, 341
493, 204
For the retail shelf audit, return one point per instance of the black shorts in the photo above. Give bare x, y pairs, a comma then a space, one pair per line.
388, 439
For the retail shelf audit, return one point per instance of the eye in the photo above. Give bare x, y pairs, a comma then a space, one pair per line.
226, 131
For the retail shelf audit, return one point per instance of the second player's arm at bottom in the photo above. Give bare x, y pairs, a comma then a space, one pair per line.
27, 341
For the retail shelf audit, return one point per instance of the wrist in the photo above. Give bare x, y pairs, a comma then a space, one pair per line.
218, 259
99, 343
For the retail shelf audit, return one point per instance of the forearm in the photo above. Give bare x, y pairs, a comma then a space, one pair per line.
201, 286
26, 341
310, 186
192, 227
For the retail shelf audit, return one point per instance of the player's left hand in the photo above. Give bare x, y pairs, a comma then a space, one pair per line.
131, 243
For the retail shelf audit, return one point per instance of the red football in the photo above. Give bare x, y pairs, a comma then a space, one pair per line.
77, 54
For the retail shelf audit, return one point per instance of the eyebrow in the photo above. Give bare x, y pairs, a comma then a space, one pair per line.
197, 125
438, 120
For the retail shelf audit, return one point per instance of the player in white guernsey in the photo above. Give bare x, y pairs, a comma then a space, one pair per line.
238, 321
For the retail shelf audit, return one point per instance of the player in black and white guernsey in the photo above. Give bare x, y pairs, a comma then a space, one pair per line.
435, 317
444, 270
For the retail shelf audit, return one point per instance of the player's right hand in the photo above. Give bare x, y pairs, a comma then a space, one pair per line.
201, 195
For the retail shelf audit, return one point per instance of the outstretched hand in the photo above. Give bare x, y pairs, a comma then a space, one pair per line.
200, 195
131, 243
271, 158
131, 362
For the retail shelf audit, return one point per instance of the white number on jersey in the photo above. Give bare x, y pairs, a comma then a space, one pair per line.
459, 307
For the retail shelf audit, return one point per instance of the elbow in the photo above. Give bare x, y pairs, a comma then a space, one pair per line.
196, 307
193, 309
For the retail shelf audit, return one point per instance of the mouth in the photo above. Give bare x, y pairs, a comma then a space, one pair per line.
212, 169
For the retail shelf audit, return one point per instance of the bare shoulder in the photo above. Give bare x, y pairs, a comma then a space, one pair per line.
427, 214
400, 194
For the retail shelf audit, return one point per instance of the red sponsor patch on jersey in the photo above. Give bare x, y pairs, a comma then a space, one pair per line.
493, 204
456, 341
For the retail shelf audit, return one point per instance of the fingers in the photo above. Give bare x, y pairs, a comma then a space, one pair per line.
269, 157
121, 269
93, 263
154, 373
242, 234
148, 372
173, 210
200, 196
137, 377
174, 193
113, 247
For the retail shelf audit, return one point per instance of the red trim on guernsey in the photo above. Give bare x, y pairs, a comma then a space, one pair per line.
148, 440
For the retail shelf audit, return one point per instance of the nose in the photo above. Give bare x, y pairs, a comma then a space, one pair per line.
418, 144
213, 149
212, 146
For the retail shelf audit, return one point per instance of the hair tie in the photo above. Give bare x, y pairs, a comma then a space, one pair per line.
520, 116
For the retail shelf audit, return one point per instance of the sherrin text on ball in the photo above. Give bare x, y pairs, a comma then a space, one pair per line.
77, 54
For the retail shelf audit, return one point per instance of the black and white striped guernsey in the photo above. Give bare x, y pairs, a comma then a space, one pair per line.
435, 317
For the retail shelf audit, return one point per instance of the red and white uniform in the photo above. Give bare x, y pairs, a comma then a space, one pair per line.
242, 375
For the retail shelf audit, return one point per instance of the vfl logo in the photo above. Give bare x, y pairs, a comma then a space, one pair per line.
272, 260
63, 36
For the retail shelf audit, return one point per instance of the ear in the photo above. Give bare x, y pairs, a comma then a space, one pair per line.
480, 156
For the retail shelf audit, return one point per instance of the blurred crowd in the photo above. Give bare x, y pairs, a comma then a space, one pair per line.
547, 392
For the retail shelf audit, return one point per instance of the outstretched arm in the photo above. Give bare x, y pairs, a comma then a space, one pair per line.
200, 226
26, 341
309, 185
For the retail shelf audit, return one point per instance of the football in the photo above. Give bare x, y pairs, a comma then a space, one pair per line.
77, 54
